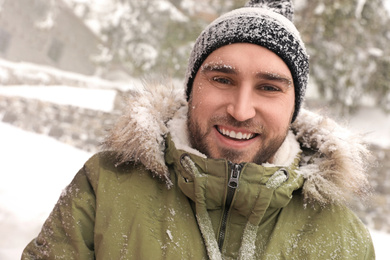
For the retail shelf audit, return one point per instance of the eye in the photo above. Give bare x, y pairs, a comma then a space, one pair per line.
221, 80
269, 88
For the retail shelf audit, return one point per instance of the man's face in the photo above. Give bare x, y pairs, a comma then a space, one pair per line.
241, 104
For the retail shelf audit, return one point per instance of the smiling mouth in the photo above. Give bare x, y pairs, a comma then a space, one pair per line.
235, 135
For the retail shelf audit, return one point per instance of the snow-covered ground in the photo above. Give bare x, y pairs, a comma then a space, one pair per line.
34, 170
65, 95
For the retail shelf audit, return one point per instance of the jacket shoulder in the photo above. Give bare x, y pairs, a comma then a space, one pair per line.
106, 159
104, 166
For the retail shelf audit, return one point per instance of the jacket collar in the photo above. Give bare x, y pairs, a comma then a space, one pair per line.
333, 164
254, 179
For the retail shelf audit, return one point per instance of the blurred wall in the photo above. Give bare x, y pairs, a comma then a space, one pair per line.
39, 31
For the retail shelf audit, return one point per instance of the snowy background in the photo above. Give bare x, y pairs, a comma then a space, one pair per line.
35, 168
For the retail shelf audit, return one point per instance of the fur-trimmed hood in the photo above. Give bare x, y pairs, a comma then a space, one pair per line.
334, 161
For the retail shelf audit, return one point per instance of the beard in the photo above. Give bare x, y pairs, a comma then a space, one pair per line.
200, 140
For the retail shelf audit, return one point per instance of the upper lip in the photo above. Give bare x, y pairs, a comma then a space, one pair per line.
239, 134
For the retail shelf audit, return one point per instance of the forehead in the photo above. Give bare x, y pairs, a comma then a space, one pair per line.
246, 57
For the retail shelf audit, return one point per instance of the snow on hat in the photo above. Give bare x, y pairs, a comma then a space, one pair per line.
265, 23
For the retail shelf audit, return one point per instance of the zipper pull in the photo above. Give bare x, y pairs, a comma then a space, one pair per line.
234, 175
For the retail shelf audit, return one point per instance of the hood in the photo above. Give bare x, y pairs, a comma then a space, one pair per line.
333, 164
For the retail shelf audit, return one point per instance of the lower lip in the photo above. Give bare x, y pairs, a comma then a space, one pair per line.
231, 143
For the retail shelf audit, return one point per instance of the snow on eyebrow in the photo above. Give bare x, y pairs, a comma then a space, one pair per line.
218, 66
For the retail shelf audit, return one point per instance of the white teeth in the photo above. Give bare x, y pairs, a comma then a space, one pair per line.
235, 135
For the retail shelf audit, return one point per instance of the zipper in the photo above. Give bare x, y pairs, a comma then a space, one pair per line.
235, 171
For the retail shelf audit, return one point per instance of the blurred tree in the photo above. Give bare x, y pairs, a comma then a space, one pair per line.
150, 36
348, 42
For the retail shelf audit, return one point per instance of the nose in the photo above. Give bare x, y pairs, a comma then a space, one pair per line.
241, 106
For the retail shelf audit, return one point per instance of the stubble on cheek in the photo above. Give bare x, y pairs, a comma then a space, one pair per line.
196, 137
199, 139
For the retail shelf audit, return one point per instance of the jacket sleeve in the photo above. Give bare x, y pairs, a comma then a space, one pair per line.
370, 252
68, 231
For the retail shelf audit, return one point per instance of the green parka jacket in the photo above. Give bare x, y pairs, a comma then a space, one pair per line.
153, 197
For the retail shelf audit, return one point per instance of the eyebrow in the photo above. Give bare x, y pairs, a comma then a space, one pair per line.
228, 69
274, 77
219, 68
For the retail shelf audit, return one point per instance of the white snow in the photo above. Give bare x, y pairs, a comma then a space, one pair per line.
320, 9
34, 170
376, 52
369, 121
97, 99
381, 243
387, 5
373, 124
33, 74
47, 23
359, 8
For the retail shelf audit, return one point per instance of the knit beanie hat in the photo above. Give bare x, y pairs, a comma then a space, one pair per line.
265, 23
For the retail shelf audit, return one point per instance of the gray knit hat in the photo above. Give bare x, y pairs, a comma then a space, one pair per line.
265, 23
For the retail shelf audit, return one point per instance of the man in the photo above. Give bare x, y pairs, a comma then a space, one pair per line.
241, 172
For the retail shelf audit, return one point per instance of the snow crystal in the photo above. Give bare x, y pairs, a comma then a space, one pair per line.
169, 233
216, 66
359, 8
172, 211
375, 52
276, 179
320, 9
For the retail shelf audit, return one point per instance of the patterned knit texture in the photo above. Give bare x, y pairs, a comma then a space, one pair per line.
265, 23
282, 7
